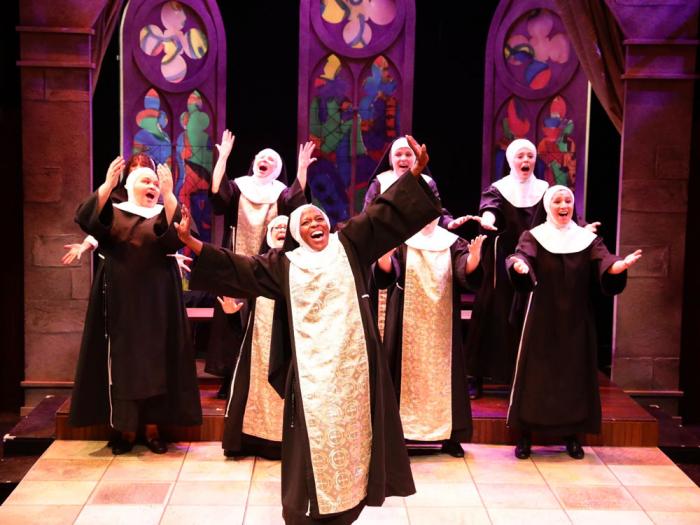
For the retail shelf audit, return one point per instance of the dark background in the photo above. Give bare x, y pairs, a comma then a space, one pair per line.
262, 64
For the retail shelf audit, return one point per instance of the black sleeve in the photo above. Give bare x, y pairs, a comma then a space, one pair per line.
492, 200
93, 223
609, 284
460, 254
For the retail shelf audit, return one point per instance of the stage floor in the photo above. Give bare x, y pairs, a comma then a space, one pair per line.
81, 482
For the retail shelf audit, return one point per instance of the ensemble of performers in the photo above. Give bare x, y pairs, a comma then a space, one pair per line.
309, 376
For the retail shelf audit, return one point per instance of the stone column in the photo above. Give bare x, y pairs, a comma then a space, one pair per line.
659, 78
56, 64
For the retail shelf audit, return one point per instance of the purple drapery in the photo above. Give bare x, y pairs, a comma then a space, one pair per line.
597, 39
104, 28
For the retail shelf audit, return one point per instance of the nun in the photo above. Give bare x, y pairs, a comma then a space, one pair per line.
342, 444
248, 204
423, 337
136, 367
555, 389
253, 419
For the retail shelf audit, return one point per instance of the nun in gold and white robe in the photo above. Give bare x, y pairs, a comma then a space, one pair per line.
253, 419
342, 443
423, 336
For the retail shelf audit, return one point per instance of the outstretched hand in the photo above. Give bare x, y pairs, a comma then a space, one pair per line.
593, 226
182, 263
114, 172
305, 160
229, 305
632, 258
227, 140
456, 223
475, 245
485, 222
165, 180
421, 153
520, 266
73, 254
183, 227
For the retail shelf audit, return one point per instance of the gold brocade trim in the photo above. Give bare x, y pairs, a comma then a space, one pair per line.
426, 360
381, 312
264, 407
251, 227
331, 356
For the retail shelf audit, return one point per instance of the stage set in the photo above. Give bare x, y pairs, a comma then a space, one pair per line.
606, 93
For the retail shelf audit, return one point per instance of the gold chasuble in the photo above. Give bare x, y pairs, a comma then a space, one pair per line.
426, 362
264, 408
333, 379
251, 226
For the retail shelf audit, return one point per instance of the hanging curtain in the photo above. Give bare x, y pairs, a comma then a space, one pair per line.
597, 39
104, 28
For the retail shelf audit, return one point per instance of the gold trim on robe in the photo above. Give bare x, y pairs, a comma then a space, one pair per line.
333, 367
263, 411
426, 360
251, 226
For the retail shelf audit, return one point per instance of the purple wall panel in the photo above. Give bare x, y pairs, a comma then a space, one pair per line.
355, 92
535, 89
174, 92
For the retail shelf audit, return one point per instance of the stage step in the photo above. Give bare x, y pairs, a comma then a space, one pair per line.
35, 432
625, 423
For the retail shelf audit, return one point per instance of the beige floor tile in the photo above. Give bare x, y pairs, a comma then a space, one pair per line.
528, 517
439, 469
120, 515
138, 469
444, 495
205, 451
448, 516
210, 493
556, 454
67, 470
217, 470
69, 449
577, 474
595, 498
263, 515
675, 518
265, 493
383, 516
51, 493
518, 496
652, 475
130, 493
668, 499
489, 453
500, 472
203, 515
44, 514
394, 501
267, 470
632, 456
175, 451
609, 517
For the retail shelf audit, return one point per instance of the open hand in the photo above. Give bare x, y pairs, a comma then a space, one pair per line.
229, 305
456, 223
632, 258
182, 263
593, 226
114, 172
484, 222
305, 158
475, 245
73, 254
165, 180
183, 227
227, 140
421, 153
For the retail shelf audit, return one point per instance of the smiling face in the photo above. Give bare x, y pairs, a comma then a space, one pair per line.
313, 229
265, 162
402, 160
561, 207
146, 190
523, 163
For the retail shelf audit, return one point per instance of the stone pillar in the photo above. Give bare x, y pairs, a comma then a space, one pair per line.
660, 49
56, 64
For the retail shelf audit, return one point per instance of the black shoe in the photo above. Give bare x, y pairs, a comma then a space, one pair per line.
523, 447
453, 448
476, 387
156, 445
574, 448
225, 388
121, 446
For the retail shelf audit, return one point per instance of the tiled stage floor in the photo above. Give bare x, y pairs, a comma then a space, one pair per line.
81, 482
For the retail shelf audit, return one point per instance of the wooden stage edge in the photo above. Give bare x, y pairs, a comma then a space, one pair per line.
625, 423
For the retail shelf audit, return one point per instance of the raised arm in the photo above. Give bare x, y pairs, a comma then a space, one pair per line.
165, 180
227, 139
111, 180
305, 160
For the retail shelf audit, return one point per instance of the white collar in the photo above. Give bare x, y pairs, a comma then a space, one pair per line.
571, 238
308, 259
521, 194
259, 190
142, 211
389, 177
436, 241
